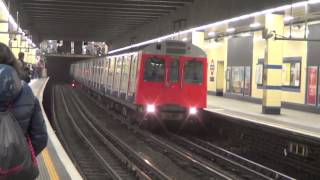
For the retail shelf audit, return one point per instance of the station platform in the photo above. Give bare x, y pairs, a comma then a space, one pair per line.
54, 163
304, 123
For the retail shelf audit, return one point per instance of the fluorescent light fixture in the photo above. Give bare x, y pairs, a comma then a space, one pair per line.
7, 13
223, 22
231, 30
4, 8
211, 33
255, 25
288, 18
185, 39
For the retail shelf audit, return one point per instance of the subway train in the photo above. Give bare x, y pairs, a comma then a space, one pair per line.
160, 82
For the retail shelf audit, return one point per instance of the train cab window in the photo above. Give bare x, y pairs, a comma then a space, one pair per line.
154, 70
174, 71
193, 72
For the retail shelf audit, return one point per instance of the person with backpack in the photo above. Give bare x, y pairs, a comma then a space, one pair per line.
23, 133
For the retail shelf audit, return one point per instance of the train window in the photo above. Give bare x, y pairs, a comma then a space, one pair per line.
154, 70
174, 70
193, 72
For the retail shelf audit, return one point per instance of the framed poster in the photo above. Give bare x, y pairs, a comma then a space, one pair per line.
247, 81
319, 87
312, 85
259, 74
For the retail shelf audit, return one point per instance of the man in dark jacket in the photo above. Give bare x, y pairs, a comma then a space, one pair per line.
26, 70
17, 97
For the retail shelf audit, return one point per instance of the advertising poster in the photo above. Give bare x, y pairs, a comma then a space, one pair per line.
259, 74
319, 89
312, 85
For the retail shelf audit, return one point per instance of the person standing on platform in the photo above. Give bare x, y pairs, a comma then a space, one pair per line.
26, 69
18, 100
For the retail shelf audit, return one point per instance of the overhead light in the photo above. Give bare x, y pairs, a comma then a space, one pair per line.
211, 33
245, 34
223, 22
185, 39
255, 25
7, 13
231, 30
288, 18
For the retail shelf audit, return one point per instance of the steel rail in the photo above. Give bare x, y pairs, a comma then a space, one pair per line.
241, 161
151, 169
112, 172
178, 152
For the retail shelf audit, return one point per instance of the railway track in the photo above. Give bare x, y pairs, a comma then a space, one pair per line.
144, 151
239, 165
95, 157
229, 166
236, 165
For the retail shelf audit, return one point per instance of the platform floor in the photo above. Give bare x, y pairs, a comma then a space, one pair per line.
54, 164
291, 120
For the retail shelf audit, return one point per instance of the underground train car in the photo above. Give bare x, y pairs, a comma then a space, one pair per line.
166, 80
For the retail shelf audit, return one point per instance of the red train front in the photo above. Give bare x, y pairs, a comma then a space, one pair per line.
172, 81
163, 81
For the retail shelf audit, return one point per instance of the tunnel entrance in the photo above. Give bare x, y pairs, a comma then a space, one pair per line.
58, 67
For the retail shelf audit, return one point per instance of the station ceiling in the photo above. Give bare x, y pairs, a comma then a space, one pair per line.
85, 19
97, 20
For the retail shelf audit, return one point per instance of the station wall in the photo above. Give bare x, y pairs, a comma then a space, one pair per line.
248, 50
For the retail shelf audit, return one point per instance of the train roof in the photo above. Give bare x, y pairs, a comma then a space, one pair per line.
171, 47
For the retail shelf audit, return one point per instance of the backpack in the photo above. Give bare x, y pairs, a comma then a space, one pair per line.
17, 157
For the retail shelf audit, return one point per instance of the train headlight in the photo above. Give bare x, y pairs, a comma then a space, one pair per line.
193, 111
151, 108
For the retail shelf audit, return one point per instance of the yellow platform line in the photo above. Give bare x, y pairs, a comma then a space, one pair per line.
49, 165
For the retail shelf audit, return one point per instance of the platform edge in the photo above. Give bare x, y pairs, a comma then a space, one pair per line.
65, 159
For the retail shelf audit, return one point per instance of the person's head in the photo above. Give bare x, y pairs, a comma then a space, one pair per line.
7, 57
21, 56
10, 84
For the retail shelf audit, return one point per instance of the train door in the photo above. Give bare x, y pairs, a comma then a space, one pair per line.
173, 81
152, 77
193, 80
111, 74
220, 78
133, 77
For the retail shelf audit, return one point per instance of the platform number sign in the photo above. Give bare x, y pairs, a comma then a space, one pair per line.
312, 85
212, 69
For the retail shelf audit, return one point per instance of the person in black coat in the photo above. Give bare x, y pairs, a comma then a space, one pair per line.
17, 97
7, 57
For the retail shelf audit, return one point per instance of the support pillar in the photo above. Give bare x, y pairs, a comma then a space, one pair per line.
272, 80
198, 39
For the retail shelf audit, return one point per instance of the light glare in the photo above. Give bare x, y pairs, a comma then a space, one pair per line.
151, 108
193, 110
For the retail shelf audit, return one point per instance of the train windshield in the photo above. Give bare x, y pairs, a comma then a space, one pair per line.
193, 72
154, 70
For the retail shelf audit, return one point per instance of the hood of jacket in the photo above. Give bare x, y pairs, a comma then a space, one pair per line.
10, 84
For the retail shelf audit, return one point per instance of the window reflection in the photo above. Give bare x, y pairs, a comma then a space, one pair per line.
154, 70
193, 72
